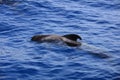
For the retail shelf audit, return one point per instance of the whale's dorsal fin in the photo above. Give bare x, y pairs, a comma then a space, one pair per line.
72, 37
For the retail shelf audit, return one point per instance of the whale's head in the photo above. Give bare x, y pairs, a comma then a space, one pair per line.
38, 38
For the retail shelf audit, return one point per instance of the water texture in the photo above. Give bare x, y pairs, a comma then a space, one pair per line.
97, 21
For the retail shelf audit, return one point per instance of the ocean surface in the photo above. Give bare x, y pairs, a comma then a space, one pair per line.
96, 21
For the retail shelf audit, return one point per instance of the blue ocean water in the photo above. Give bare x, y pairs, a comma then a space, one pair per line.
97, 21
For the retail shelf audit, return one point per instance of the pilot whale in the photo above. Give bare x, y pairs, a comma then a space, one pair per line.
71, 40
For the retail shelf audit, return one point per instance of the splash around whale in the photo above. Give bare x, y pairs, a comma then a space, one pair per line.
71, 41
